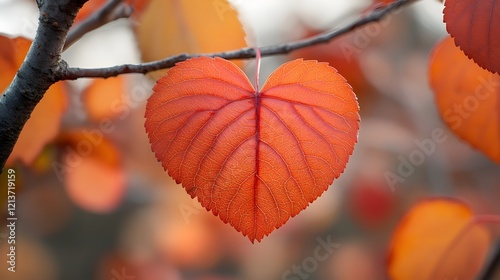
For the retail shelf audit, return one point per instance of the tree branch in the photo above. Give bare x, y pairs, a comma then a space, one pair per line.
376, 15
106, 14
43, 65
38, 72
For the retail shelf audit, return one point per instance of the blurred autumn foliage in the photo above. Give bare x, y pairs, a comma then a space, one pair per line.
438, 240
93, 202
188, 27
44, 124
92, 6
467, 97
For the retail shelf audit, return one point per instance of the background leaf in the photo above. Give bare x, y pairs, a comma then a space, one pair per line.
467, 97
45, 121
170, 27
103, 96
475, 25
92, 6
421, 249
12, 53
371, 201
253, 161
93, 173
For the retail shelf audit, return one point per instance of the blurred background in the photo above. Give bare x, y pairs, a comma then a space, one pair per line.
93, 202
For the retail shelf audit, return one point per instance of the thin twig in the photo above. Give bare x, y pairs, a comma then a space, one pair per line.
245, 53
106, 14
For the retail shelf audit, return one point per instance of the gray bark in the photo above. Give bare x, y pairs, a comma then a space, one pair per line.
41, 68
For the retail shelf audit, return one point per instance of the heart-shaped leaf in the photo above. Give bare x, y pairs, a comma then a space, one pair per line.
254, 159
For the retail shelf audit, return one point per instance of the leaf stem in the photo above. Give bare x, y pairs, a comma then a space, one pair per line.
257, 69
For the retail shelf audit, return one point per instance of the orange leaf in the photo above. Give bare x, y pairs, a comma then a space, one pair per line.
467, 96
12, 53
430, 243
45, 120
253, 159
171, 27
475, 25
103, 96
91, 168
93, 5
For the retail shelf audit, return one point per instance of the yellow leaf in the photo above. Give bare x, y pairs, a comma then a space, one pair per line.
171, 27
